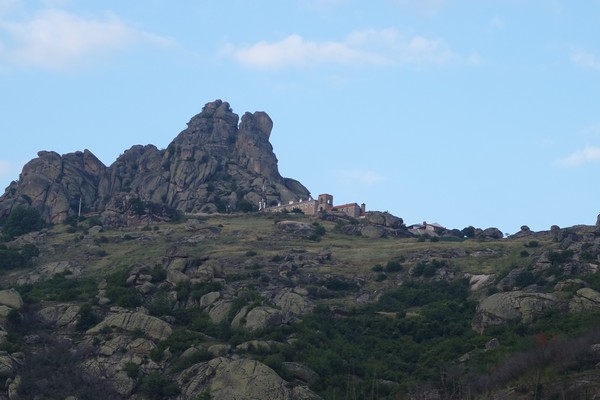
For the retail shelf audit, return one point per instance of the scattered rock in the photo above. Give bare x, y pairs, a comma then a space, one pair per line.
227, 379
68, 269
492, 344
133, 321
11, 298
301, 372
61, 314
585, 299
289, 300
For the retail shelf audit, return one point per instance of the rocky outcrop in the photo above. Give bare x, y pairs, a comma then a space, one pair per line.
68, 269
585, 299
133, 321
215, 164
260, 318
518, 306
385, 219
11, 298
54, 184
490, 233
226, 379
62, 315
293, 301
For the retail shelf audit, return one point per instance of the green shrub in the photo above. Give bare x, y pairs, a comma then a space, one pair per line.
245, 206
131, 369
160, 305
338, 284
158, 386
560, 257
11, 257
525, 278
22, 220
377, 268
87, 317
428, 268
94, 221
158, 273
393, 266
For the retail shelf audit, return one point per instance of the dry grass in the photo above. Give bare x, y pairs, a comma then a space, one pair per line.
239, 234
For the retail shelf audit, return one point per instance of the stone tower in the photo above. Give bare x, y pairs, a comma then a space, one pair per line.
325, 202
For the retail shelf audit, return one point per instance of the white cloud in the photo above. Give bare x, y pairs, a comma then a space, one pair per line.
588, 154
364, 177
7, 5
57, 39
585, 59
367, 47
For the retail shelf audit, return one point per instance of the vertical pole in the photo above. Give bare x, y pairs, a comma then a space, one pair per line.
79, 214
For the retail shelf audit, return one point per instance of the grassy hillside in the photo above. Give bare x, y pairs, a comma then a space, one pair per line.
383, 318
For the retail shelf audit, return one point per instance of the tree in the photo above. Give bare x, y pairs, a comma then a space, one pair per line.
22, 220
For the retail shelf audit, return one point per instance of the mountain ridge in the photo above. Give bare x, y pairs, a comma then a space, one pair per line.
219, 162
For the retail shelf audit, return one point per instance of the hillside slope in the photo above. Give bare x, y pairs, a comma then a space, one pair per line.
280, 306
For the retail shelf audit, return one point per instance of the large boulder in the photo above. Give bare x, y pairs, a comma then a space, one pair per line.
289, 300
133, 321
11, 298
260, 317
517, 306
62, 315
585, 299
490, 233
226, 379
297, 228
385, 219
54, 185
373, 231
8, 365
69, 269
219, 311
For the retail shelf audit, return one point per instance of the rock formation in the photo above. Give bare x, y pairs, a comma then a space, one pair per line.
214, 165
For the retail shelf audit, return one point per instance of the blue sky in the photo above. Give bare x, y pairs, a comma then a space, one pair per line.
456, 112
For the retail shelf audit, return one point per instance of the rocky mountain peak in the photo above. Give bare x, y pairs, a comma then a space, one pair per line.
216, 164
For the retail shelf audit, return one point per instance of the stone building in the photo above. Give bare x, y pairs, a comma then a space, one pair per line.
324, 203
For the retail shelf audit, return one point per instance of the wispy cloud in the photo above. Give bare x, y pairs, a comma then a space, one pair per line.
7, 5
363, 177
56, 39
367, 47
587, 155
585, 59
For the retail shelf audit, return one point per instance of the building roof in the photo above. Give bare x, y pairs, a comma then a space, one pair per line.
347, 205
